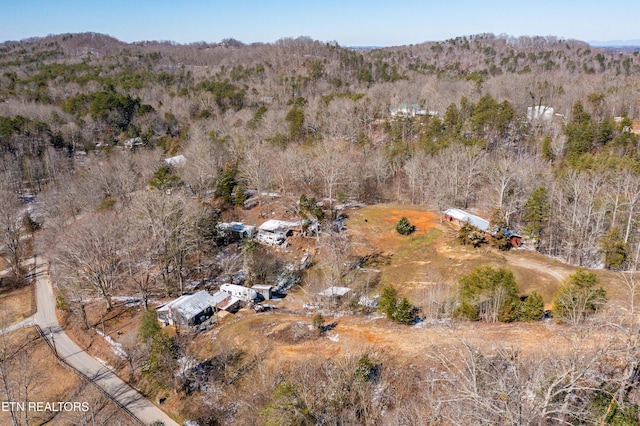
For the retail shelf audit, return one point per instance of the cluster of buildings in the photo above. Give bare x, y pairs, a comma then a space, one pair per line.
271, 232
461, 217
196, 308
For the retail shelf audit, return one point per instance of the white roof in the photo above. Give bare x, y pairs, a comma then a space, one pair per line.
178, 160
190, 305
235, 226
462, 216
262, 286
273, 225
335, 291
540, 111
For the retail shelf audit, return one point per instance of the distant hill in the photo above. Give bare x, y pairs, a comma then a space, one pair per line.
616, 43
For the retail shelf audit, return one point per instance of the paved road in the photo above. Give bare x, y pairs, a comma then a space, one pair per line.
27, 322
46, 318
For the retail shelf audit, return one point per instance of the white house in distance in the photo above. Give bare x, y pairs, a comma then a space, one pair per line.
408, 110
178, 160
540, 112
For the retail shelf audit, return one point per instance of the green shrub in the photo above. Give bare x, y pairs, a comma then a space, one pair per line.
489, 294
579, 297
401, 311
531, 308
149, 325
404, 227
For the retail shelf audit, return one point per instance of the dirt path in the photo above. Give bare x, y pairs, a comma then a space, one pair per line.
550, 267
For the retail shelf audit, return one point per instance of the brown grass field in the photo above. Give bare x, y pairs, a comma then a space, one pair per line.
15, 305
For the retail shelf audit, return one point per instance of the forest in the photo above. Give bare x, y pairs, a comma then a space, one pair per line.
539, 133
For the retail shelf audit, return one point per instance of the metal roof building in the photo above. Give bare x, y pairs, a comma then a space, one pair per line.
461, 216
334, 291
189, 309
279, 226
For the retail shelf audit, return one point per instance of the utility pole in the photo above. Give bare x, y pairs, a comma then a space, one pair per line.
53, 341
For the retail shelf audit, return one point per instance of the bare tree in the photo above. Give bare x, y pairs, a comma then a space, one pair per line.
167, 221
11, 231
257, 170
330, 164
91, 252
140, 256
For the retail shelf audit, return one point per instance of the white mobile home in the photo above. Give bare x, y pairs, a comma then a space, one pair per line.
243, 293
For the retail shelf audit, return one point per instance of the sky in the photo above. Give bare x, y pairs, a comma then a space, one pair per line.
350, 23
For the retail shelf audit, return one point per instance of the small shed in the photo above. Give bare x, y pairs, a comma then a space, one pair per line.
514, 239
187, 310
334, 293
263, 290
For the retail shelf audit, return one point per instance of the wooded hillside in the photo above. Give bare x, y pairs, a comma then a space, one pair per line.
134, 153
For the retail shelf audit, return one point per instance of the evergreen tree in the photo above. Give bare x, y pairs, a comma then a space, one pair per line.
614, 249
489, 294
547, 151
532, 308
164, 179
469, 235
287, 407
404, 312
227, 182
579, 297
295, 117
149, 325
580, 131
404, 227
537, 212
498, 227
388, 301
318, 323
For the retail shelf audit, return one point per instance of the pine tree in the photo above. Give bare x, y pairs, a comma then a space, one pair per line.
614, 249
469, 235
405, 312
388, 301
404, 227
532, 308
547, 151
489, 294
537, 212
498, 227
